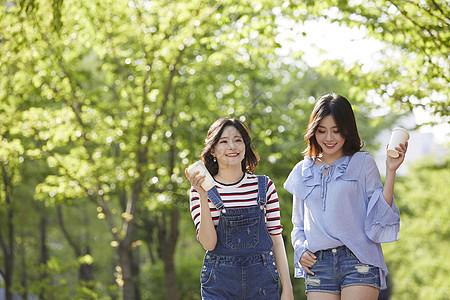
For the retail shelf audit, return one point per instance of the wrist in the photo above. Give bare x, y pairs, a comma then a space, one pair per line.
390, 171
203, 196
286, 285
286, 288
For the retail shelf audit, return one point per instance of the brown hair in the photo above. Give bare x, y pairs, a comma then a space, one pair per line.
341, 110
251, 158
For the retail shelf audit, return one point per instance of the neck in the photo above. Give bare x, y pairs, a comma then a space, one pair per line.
329, 160
229, 175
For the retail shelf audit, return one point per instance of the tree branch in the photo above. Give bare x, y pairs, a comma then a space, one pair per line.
66, 233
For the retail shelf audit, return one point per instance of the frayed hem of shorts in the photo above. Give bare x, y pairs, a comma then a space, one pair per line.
362, 284
348, 285
323, 291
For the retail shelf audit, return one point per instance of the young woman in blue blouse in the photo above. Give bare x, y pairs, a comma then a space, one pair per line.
341, 211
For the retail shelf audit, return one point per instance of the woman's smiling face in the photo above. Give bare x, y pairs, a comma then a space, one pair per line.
329, 137
230, 150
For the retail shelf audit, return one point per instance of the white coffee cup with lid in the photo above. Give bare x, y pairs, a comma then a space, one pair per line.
398, 136
198, 166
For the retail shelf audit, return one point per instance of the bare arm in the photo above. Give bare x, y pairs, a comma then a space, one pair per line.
207, 235
392, 164
283, 267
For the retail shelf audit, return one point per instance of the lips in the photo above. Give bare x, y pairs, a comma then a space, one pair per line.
232, 155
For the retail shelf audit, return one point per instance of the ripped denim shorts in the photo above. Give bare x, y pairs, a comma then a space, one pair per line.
338, 268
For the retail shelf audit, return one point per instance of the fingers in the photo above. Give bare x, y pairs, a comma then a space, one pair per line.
307, 260
196, 179
308, 270
402, 150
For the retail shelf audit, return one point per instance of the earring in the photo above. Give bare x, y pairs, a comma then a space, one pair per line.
214, 159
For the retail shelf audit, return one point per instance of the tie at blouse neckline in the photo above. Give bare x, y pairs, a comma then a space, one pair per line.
311, 178
324, 182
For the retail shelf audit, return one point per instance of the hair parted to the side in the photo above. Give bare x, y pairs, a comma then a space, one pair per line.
341, 110
251, 158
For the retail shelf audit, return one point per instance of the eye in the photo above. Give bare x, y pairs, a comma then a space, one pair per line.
239, 140
321, 131
337, 131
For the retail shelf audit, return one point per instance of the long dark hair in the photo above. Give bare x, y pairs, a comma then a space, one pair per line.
341, 110
251, 158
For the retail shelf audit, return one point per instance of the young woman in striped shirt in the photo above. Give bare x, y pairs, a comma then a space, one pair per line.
239, 225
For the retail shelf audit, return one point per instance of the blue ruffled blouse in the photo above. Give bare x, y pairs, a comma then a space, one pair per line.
345, 207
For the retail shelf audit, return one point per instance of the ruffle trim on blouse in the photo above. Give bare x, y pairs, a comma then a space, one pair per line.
382, 224
351, 166
308, 178
303, 179
345, 168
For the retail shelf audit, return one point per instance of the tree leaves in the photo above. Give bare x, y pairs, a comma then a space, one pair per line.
416, 56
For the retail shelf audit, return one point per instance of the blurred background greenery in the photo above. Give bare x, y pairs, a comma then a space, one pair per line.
103, 104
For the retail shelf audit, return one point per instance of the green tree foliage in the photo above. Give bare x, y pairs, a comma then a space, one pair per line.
419, 262
414, 70
114, 101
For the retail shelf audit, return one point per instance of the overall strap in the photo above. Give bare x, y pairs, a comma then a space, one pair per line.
262, 190
214, 196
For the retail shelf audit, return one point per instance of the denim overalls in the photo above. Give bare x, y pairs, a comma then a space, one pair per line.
242, 266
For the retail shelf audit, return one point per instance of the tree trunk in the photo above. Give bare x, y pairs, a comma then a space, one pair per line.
23, 274
126, 279
7, 248
9, 262
86, 272
44, 255
170, 275
136, 273
8, 276
168, 238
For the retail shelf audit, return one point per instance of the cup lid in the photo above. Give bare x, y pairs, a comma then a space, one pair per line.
402, 129
195, 165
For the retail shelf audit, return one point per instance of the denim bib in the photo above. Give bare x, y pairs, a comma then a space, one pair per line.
242, 266
242, 231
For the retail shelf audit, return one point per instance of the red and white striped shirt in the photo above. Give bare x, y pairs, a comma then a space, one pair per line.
238, 195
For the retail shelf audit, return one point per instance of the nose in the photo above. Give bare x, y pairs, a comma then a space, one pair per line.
231, 144
329, 136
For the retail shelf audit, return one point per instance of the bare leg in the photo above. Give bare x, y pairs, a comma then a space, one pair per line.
359, 292
322, 296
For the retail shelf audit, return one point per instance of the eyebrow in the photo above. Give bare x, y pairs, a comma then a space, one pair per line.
226, 137
325, 127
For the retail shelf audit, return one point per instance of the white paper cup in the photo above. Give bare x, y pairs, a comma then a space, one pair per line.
398, 136
198, 166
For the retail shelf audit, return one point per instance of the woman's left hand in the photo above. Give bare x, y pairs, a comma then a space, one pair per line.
393, 163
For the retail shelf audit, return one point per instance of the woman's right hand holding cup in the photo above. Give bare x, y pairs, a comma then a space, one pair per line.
196, 180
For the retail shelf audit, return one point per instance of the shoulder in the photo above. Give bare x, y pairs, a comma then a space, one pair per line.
364, 159
306, 163
257, 178
359, 158
352, 166
301, 179
249, 178
361, 162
